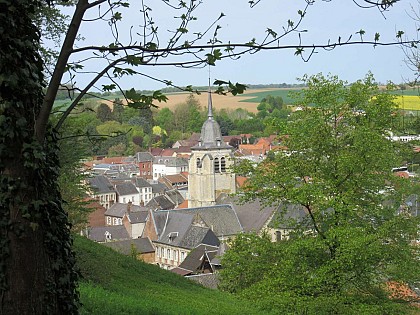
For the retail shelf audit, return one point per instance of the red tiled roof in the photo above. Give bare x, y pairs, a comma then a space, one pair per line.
401, 291
240, 181
183, 205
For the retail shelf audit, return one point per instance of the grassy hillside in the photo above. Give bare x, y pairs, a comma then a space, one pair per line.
117, 284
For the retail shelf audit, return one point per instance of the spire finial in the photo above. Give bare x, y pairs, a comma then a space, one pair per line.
210, 104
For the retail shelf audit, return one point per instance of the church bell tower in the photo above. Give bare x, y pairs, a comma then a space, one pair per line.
210, 165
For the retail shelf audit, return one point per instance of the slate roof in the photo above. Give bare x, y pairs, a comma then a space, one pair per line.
175, 196
222, 219
138, 216
141, 182
288, 216
144, 157
158, 188
161, 202
252, 215
196, 235
101, 185
165, 220
176, 229
141, 245
126, 188
119, 209
194, 259
170, 161
118, 232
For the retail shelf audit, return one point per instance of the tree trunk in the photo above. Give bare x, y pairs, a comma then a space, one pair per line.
37, 272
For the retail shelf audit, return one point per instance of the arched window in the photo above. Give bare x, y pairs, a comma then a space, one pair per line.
198, 163
223, 164
216, 165
169, 253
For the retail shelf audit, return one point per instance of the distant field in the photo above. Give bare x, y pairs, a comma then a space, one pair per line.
249, 100
408, 99
408, 102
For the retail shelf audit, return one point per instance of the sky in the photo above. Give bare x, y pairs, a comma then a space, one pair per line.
324, 21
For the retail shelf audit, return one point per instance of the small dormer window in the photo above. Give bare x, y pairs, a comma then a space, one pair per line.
108, 236
172, 236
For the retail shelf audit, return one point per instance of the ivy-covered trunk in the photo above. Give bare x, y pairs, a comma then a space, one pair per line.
37, 265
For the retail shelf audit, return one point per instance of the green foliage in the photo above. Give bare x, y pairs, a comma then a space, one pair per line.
103, 112
73, 149
117, 284
353, 238
188, 116
165, 119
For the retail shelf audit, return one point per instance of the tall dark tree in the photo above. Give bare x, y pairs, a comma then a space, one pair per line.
37, 272
104, 113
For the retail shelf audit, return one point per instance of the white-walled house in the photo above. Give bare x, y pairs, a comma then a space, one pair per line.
144, 189
127, 192
168, 165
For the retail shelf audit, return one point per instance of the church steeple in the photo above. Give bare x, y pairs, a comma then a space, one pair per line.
210, 104
211, 136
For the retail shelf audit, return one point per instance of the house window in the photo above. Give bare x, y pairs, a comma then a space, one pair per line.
175, 255
182, 256
157, 251
169, 253
223, 164
115, 221
123, 199
119, 221
108, 220
278, 236
198, 163
216, 165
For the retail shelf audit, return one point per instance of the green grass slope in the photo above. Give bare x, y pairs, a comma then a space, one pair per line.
117, 284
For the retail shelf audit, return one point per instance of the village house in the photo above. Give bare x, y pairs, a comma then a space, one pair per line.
114, 215
141, 248
102, 234
145, 164
145, 190
174, 235
198, 261
102, 190
134, 222
127, 192
178, 181
168, 166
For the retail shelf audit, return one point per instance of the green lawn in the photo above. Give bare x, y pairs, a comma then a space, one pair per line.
117, 284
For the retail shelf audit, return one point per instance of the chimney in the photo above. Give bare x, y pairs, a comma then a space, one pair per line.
129, 204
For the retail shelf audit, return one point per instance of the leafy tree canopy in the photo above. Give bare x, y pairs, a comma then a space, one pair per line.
355, 235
